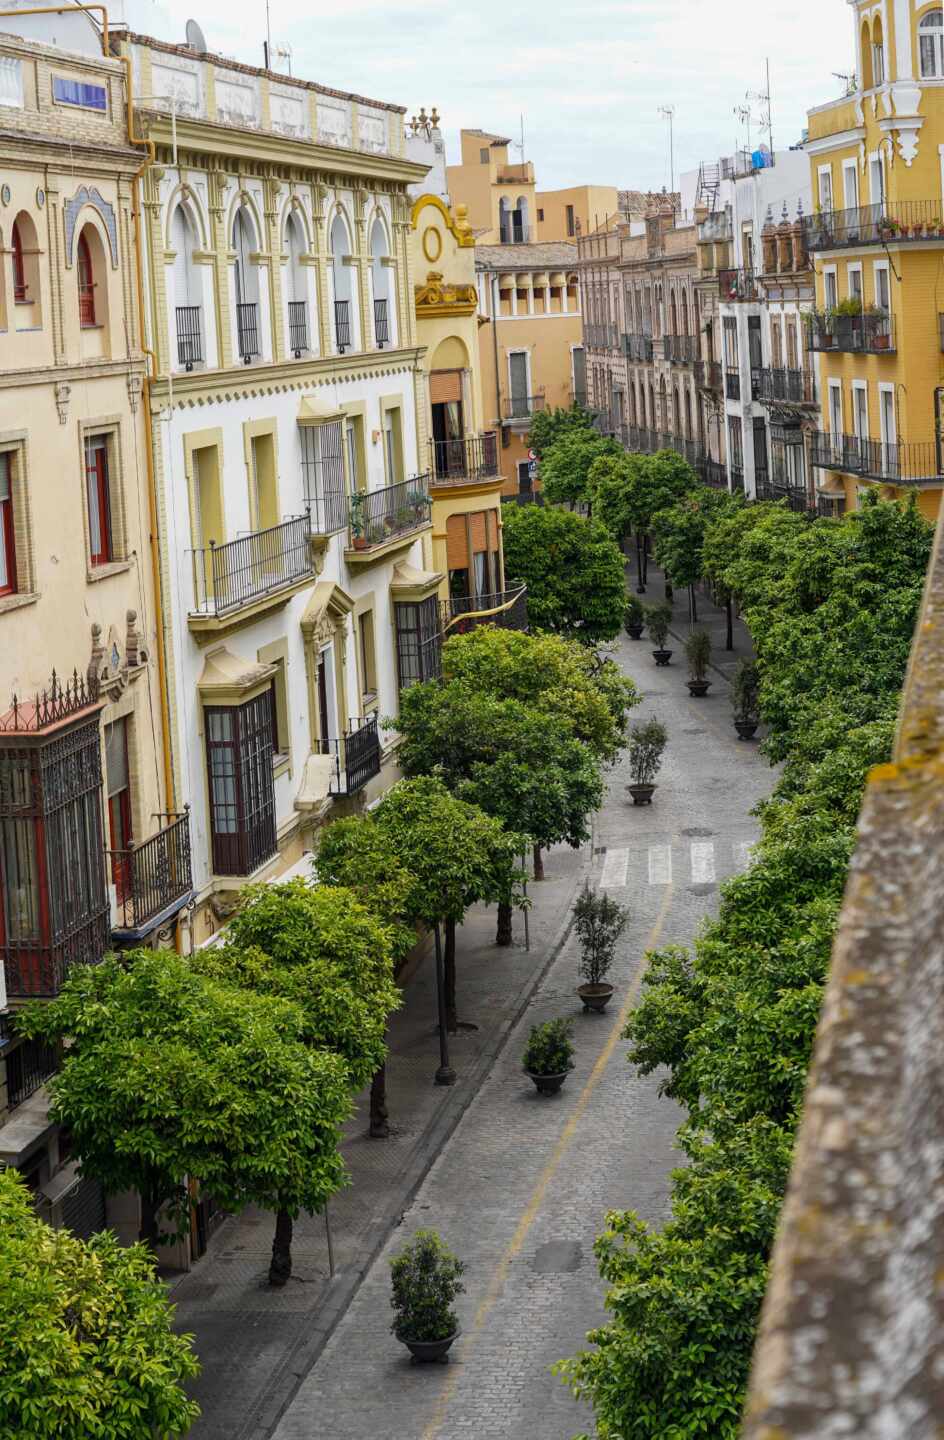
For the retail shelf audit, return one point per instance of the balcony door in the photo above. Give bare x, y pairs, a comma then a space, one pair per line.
327, 701
117, 780
518, 383
888, 430
445, 395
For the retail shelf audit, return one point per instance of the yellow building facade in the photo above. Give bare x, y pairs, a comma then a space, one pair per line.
877, 240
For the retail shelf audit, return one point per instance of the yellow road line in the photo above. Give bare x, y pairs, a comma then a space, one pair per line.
547, 1174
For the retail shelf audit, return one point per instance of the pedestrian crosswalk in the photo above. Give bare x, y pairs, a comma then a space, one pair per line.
696, 862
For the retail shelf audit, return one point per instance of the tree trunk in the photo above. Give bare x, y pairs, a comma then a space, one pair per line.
641, 587
449, 977
669, 592
693, 603
280, 1268
645, 560
149, 1226
729, 643
538, 863
379, 1128
503, 933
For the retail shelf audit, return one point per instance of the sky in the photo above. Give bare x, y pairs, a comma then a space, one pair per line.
589, 76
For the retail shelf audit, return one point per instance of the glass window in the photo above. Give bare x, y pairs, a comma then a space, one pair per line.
931, 45
86, 282
7, 530
19, 272
419, 641
323, 476
368, 655
239, 746
98, 492
76, 92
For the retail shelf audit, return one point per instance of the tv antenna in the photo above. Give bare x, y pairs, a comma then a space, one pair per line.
668, 113
762, 98
519, 144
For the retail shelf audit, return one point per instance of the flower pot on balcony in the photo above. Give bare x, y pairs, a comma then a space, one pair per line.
880, 342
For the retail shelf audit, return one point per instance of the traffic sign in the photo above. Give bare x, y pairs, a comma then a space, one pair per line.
532, 454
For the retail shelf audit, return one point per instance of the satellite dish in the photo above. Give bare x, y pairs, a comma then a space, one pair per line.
195, 38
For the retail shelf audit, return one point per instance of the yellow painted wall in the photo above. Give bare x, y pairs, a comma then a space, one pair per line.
592, 204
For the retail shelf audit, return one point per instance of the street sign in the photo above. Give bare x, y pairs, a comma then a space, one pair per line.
533, 469
532, 454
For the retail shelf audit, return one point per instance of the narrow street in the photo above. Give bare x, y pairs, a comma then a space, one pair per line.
521, 1189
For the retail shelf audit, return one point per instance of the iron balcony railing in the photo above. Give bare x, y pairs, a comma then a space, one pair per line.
680, 349
342, 325
150, 878
473, 458
513, 234
895, 463
638, 348
732, 383
869, 334
29, 1066
298, 327
377, 516
57, 702
797, 499
189, 336
508, 609
737, 479
247, 330
709, 374
521, 407
356, 756
228, 577
791, 387
735, 285
889, 222
601, 337
713, 473
381, 324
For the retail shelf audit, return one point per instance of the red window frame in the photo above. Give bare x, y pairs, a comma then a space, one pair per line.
7, 530
98, 492
19, 271
120, 833
86, 284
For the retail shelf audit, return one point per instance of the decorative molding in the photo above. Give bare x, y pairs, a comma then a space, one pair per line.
90, 196
455, 220
63, 391
437, 298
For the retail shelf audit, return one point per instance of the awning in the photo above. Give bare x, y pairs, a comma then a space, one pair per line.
227, 678
314, 410
410, 583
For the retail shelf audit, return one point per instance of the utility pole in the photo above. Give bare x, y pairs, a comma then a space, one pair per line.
668, 113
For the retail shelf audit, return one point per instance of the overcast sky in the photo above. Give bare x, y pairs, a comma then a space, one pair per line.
588, 75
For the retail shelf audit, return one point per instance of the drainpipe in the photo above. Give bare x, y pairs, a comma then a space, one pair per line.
495, 348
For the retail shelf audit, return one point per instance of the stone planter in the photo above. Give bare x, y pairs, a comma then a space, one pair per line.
699, 688
548, 1084
642, 794
595, 997
430, 1352
746, 729
662, 657
635, 631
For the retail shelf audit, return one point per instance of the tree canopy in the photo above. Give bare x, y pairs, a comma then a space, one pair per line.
611, 483
572, 568
566, 464
86, 1346
353, 853
548, 426
679, 532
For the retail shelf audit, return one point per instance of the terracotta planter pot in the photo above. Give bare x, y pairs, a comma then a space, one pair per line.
699, 688
746, 729
548, 1084
595, 997
430, 1352
642, 794
662, 657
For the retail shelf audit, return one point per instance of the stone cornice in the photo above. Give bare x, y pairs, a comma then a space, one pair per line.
81, 370
207, 387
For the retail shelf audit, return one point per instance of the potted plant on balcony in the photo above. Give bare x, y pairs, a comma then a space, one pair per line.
880, 338
548, 1055
887, 228
634, 618
658, 620
646, 744
358, 521
427, 1277
745, 697
599, 923
844, 316
698, 654
419, 503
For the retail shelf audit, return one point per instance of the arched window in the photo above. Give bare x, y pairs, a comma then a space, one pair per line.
688, 416
878, 52
85, 276
247, 287
931, 45
343, 309
866, 44
188, 313
520, 232
19, 271
296, 288
663, 406
381, 284
673, 315
27, 291
504, 221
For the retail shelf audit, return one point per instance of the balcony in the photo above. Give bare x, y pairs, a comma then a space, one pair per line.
247, 331
797, 500
786, 387
513, 234
713, 473
342, 325
189, 336
28, 1065
737, 479
255, 572
465, 462
709, 375
381, 324
356, 757
508, 609
680, 349
601, 337
515, 174
737, 286
891, 463
868, 334
383, 520
298, 327
732, 383
152, 880
891, 222
638, 348
521, 407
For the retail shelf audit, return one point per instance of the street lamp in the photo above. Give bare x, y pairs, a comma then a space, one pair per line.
445, 1075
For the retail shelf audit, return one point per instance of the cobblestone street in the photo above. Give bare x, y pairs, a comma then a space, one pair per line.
521, 1189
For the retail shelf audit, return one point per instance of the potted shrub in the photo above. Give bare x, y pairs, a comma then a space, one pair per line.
548, 1055
698, 654
646, 744
599, 923
745, 697
634, 618
419, 504
426, 1280
658, 620
358, 521
844, 316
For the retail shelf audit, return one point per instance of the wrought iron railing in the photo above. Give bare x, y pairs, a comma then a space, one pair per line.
29, 1066
377, 516
734, 285
522, 407
230, 576
713, 473
709, 374
381, 324
870, 334
189, 336
46, 707
356, 756
732, 383
342, 325
793, 387
247, 330
889, 222
896, 464
508, 609
797, 499
638, 348
298, 326
515, 234
737, 478
601, 337
680, 349
152, 876
470, 459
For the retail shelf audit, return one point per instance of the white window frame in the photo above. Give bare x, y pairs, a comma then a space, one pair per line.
881, 267
824, 172
834, 387
886, 387
850, 168
936, 33
855, 268
830, 274
876, 161
860, 387
519, 350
